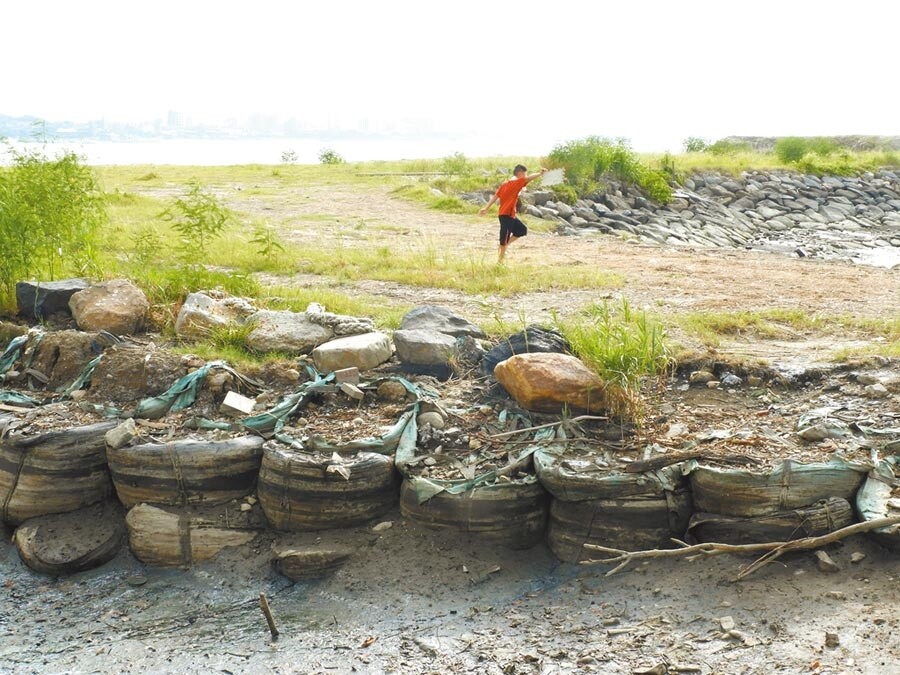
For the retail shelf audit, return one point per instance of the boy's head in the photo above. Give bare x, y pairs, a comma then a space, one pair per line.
519, 171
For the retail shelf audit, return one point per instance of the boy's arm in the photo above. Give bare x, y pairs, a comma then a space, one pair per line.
487, 206
531, 177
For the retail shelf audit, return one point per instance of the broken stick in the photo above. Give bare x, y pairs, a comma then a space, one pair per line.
505, 434
773, 550
264, 606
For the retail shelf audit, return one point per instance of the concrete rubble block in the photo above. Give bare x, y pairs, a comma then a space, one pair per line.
364, 352
37, 300
205, 310
116, 306
236, 404
549, 382
285, 331
439, 319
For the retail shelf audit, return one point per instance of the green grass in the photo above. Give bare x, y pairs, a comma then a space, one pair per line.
384, 313
623, 347
735, 163
426, 265
711, 327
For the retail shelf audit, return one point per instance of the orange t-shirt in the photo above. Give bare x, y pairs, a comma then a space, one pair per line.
508, 193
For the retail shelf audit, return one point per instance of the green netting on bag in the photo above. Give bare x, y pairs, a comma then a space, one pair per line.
12, 353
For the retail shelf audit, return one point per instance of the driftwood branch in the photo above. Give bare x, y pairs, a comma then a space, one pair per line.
771, 550
506, 434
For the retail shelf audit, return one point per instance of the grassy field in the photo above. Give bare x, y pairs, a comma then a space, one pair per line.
258, 256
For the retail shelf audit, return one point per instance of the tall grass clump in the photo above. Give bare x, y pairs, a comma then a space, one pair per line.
589, 161
51, 211
623, 347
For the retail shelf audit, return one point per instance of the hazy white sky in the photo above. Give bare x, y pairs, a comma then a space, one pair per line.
655, 72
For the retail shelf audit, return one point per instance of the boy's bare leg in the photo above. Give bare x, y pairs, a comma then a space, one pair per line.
503, 249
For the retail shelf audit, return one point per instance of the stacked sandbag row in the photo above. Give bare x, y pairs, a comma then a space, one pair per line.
55, 489
788, 501
593, 504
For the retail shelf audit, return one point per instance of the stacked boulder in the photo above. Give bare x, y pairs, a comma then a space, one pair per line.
843, 217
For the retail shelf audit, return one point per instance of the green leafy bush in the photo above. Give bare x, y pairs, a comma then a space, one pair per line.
329, 156
456, 164
564, 193
695, 144
588, 161
792, 149
726, 147
51, 211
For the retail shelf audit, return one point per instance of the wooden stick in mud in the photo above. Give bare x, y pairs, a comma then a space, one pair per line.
773, 550
264, 606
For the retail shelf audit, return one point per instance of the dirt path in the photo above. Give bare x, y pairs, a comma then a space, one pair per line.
668, 279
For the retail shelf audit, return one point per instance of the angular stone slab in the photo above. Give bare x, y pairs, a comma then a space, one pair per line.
364, 351
40, 299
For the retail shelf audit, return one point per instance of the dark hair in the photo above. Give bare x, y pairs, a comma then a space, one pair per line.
519, 168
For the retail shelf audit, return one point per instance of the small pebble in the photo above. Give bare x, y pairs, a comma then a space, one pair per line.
382, 526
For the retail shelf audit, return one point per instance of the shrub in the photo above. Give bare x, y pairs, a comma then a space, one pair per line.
726, 147
588, 160
329, 156
456, 164
695, 144
289, 157
198, 217
51, 211
564, 193
791, 149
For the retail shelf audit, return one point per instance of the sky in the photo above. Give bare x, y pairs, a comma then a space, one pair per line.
523, 73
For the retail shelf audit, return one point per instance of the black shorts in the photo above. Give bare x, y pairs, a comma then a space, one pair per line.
511, 227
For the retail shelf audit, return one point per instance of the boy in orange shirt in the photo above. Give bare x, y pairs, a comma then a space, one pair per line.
511, 228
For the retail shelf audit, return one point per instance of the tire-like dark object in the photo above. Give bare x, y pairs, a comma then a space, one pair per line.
66, 543
510, 514
635, 523
298, 493
821, 518
532, 339
53, 472
791, 485
186, 472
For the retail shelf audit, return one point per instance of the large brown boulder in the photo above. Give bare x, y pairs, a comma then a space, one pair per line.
126, 374
117, 306
549, 382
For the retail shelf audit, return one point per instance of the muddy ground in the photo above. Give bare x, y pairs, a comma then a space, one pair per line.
415, 601
411, 600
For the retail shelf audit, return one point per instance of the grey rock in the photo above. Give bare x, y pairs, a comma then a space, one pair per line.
876, 391
364, 351
564, 210
731, 380
578, 221
206, 310
40, 299
439, 319
122, 435
285, 331
541, 197
423, 347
